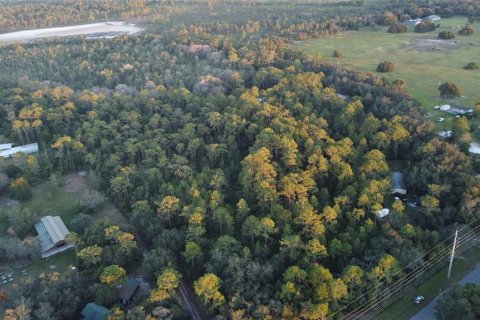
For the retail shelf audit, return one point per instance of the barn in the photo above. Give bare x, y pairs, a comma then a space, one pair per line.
52, 233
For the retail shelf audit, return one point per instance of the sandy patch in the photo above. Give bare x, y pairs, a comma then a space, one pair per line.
433, 44
75, 182
96, 30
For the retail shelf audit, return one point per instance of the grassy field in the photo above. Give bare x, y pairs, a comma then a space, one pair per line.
430, 289
422, 63
59, 197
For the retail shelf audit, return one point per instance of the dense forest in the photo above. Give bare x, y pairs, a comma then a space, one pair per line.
252, 171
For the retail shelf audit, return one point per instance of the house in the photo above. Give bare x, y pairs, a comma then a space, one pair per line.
51, 233
127, 291
383, 213
93, 311
398, 183
445, 134
9, 152
433, 17
412, 22
459, 111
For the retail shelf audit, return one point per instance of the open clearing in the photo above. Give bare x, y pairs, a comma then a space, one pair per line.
422, 60
94, 30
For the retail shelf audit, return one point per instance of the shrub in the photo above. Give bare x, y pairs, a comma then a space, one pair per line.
337, 54
397, 28
389, 18
21, 189
385, 67
448, 89
467, 30
471, 66
446, 35
425, 26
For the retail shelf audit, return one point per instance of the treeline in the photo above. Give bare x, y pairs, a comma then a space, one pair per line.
51, 13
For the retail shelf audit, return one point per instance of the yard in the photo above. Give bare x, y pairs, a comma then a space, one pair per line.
57, 196
421, 59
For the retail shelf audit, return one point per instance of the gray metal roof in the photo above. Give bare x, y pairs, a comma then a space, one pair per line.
398, 181
51, 231
29, 148
5, 146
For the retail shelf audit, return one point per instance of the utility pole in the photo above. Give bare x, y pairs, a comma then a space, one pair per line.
453, 253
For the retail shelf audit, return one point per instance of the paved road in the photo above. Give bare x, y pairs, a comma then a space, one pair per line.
428, 313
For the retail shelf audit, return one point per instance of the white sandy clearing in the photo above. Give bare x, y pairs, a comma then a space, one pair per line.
114, 27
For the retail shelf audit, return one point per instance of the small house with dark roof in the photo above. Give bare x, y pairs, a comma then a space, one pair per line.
93, 311
128, 290
398, 183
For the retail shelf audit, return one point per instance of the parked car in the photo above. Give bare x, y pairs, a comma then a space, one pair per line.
418, 299
441, 119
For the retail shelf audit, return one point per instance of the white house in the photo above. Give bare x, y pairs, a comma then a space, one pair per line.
383, 213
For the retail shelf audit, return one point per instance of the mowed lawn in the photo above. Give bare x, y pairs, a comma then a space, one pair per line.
422, 63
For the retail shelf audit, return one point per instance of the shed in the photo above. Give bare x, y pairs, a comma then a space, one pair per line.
93, 311
398, 183
383, 213
127, 291
433, 17
51, 233
412, 22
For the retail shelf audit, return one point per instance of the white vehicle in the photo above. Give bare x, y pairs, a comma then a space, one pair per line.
441, 119
436, 107
418, 299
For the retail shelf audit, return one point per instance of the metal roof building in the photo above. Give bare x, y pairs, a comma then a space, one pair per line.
127, 291
28, 148
51, 233
93, 311
5, 146
398, 183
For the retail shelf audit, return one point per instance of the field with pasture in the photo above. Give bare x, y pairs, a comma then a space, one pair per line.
421, 59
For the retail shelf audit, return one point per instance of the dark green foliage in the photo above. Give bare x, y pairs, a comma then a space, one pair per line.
446, 35
448, 90
385, 67
425, 26
471, 66
459, 303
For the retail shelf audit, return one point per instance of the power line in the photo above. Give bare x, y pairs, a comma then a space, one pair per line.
409, 278
378, 309
409, 266
414, 277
